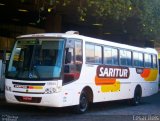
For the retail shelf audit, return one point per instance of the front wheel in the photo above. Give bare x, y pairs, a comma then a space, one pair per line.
83, 104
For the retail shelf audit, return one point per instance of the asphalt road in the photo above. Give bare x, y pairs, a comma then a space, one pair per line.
149, 110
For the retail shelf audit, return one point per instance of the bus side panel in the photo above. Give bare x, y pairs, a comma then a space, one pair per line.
148, 84
106, 92
121, 89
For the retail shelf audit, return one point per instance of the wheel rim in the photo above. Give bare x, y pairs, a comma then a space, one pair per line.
83, 103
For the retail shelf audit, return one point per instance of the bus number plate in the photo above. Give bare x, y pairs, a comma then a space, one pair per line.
27, 98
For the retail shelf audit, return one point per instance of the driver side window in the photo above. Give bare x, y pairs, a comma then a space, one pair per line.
73, 60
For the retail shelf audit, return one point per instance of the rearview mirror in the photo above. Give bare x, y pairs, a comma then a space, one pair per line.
68, 57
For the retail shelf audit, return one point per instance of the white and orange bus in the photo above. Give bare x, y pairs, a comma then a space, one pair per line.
59, 70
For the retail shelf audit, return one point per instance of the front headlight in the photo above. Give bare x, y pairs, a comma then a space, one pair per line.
51, 90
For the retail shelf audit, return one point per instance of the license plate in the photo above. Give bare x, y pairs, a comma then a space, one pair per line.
27, 98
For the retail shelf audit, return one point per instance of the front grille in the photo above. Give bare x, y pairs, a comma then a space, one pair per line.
29, 92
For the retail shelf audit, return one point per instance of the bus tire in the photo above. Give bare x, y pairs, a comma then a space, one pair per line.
136, 100
82, 107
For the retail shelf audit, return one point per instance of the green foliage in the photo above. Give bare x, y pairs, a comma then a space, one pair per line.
145, 12
115, 9
150, 18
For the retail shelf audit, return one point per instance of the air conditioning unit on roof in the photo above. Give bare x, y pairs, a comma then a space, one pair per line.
72, 32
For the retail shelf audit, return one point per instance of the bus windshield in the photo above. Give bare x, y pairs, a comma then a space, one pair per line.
39, 59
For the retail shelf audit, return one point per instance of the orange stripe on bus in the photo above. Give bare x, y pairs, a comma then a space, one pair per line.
104, 81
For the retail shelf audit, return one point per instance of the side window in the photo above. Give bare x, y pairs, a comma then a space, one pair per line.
122, 55
107, 55
78, 58
135, 59
147, 59
93, 53
90, 53
129, 58
138, 59
125, 57
98, 54
154, 61
69, 51
73, 60
115, 56
141, 60
110, 56
78, 52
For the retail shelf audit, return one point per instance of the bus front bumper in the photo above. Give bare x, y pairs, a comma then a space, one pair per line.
49, 100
